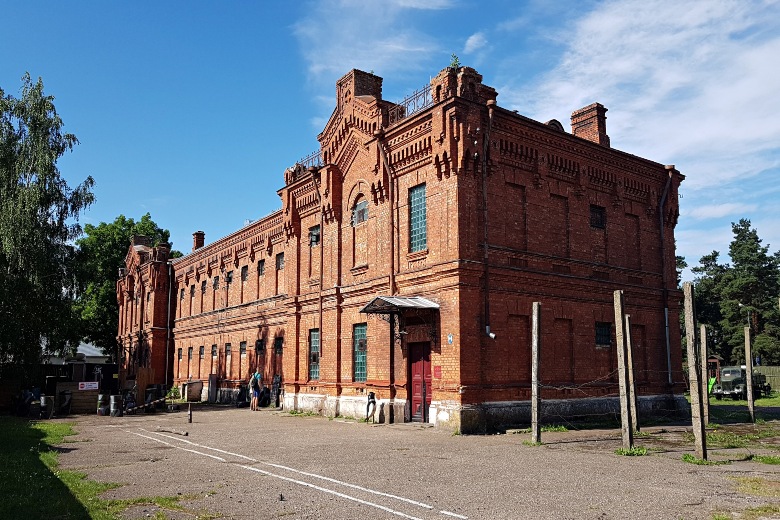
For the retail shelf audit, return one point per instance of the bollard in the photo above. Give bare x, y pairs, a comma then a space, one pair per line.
189, 413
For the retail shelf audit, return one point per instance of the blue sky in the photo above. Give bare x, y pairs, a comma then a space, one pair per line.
192, 110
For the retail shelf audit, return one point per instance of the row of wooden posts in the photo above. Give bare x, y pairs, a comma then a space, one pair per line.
628, 402
697, 372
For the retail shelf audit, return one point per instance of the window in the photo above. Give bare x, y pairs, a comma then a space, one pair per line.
314, 354
260, 267
260, 347
181, 294
280, 261
216, 283
148, 296
242, 348
603, 334
179, 354
228, 346
418, 232
598, 217
314, 236
189, 354
278, 345
192, 290
202, 352
244, 273
359, 352
229, 277
213, 351
360, 212
203, 285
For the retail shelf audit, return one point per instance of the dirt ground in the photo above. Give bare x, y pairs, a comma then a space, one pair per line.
233, 463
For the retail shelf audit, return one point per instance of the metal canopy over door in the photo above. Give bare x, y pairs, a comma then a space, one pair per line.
420, 377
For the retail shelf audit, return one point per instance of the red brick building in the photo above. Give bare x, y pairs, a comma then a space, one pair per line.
406, 256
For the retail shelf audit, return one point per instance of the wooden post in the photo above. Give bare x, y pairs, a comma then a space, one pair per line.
631, 383
625, 392
705, 378
699, 437
536, 315
749, 375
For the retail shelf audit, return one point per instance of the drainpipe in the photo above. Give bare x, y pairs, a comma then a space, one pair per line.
670, 171
312, 170
168, 325
485, 151
391, 198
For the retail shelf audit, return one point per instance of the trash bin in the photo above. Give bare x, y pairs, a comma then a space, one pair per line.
102, 404
47, 406
116, 406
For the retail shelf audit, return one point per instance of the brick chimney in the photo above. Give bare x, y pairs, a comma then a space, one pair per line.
198, 239
591, 123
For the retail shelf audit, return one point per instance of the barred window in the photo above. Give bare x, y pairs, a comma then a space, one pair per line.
603, 334
314, 236
418, 225
360, 212
598, 217
359, 347
314, 354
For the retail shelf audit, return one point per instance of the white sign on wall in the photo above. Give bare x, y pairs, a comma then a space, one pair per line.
88, 385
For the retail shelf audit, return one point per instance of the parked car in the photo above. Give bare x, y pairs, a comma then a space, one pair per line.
732, 384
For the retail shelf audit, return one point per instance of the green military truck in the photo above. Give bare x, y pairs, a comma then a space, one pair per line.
732, 384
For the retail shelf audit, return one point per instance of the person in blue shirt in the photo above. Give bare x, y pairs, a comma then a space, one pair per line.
255, 383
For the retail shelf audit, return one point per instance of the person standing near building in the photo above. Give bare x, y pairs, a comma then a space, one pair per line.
255, 381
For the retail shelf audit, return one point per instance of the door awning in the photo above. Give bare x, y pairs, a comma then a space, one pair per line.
398, 304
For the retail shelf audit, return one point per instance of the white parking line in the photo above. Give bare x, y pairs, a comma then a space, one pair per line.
178, 447
325, 490
313, 475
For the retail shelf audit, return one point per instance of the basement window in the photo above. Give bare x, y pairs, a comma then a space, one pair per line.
603, 334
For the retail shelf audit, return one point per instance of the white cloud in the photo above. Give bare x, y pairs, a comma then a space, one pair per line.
692, 84
474, 43
719, 210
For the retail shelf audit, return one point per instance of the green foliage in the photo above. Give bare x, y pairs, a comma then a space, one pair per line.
636, 451
174, 393
454, 61
691, 459
745, 292
101, 252
38, 222
766, 459
34, 486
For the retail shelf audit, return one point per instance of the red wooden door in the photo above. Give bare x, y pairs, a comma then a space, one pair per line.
420, 368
